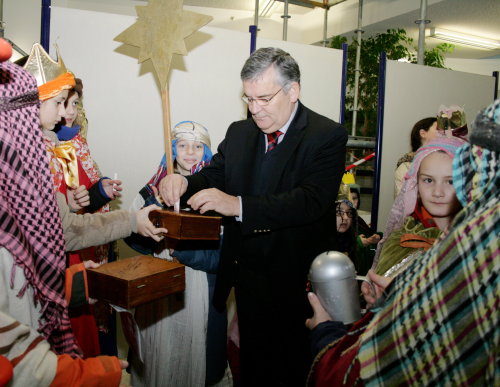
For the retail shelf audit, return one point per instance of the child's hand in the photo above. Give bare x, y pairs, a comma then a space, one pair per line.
144, 225
320, 314
112, 188
374, 293
374, 239
89, 264
78, 198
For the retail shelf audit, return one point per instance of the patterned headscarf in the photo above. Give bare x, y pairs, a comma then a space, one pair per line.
185, 130
405, 202
439, 325
31, 229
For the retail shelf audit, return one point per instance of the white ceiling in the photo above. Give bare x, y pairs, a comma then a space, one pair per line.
476, 17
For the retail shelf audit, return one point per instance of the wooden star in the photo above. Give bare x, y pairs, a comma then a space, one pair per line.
159, 32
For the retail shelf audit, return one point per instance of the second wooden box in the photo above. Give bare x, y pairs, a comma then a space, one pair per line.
134, 281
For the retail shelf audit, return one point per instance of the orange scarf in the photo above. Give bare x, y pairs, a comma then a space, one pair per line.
52, 88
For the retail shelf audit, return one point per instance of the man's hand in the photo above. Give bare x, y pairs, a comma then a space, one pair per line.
144, 225
78, 198
380, 283
172, 187
216, 200
320, 314
112, 188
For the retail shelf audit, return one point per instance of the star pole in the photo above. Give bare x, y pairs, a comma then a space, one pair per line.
159, 32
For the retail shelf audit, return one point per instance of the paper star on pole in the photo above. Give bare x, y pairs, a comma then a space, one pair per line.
160, 31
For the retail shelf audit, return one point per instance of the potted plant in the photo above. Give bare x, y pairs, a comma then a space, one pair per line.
397, 45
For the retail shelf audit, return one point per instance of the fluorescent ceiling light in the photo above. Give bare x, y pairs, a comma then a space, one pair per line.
469, 40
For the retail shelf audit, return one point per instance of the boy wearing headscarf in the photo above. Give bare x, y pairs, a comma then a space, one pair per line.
35, 334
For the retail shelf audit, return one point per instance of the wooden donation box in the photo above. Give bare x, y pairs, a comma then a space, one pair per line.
187, 225
134, 281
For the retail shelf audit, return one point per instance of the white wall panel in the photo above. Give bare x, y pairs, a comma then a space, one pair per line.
413, 92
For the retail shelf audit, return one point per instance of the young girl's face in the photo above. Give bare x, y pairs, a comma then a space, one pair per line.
189, 153
52, 110
344, 217
355, 198
435, 188
71, 110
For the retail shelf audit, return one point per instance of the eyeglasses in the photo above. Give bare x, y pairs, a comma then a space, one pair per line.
259, 101
342, 213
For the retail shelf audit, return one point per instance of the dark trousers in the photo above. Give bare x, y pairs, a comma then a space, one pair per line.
216, 338
274, 348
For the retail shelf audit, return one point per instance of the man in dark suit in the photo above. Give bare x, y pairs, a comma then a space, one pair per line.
275, 178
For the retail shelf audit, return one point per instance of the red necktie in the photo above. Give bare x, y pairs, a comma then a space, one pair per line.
272, 140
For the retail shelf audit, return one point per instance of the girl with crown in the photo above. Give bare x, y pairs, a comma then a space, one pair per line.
80, 230
94, 325
38, 346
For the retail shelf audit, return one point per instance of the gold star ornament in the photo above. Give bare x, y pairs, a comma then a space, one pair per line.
159, 32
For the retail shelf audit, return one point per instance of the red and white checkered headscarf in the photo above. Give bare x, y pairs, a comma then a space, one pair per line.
30, 226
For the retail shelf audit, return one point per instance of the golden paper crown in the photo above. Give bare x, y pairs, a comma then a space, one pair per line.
42, 66
344, 194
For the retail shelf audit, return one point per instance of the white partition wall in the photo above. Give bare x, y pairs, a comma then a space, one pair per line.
321, 75
122, 98
413, 92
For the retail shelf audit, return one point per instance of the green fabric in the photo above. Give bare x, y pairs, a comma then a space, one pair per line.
392, 253
364, 255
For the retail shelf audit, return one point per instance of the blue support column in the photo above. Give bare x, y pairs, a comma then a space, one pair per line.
495, 92
45, 25
253, 38
343, 85
379, 136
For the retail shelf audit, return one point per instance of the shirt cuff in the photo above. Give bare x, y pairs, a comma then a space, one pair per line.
101, 188
240, 218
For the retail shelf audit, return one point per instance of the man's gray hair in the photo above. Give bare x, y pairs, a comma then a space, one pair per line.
287, 68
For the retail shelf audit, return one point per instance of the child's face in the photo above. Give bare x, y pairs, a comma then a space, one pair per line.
52, 110
344, 217
189, 153
355, 199
435, 186
71, 109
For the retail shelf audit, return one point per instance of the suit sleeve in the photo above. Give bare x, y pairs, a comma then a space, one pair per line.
315, 191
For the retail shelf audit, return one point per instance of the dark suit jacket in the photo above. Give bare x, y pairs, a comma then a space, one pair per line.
285, 228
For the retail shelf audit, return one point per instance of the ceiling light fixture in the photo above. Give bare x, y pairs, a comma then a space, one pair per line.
469, 40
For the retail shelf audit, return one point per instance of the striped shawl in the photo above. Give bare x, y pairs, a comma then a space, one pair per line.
30, 226
440, 324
